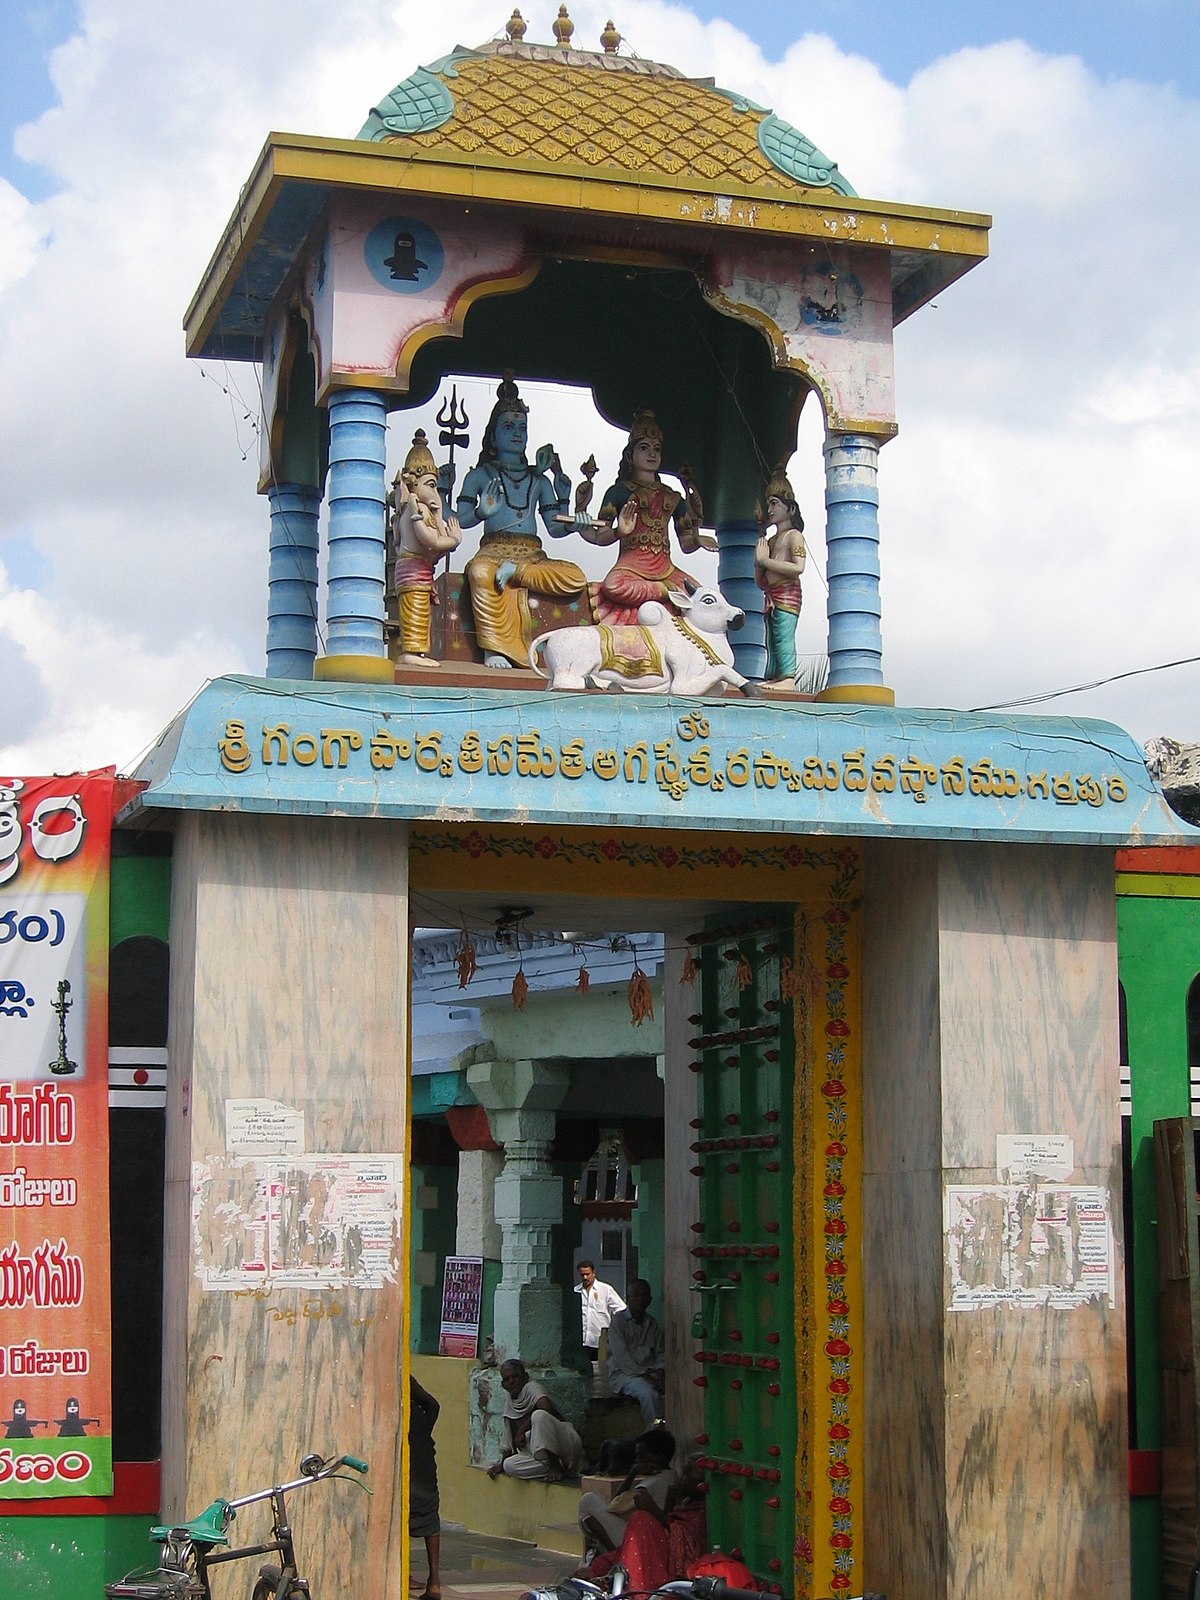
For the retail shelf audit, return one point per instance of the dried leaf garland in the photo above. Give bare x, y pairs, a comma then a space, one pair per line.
688, 975
520, 990
464, 959
641, 1000
584, 982
789, 979
745, 974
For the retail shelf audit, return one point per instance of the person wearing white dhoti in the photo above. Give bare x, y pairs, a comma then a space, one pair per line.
538, 1441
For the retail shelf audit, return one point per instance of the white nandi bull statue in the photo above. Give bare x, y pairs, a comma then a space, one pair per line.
662, 653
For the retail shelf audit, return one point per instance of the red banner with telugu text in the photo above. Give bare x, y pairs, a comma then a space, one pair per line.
55, 1317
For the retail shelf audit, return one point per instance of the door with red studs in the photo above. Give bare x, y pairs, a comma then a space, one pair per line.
744, 1347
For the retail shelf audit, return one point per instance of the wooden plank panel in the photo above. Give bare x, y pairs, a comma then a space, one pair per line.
290, 951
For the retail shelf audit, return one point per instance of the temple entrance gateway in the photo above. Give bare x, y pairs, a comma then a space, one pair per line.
856, 902
761, 1204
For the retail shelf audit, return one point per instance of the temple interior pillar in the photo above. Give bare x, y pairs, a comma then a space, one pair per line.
521, 1098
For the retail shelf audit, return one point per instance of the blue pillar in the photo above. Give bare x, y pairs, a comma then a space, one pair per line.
737, 538
354, 612
292, 581
852, 544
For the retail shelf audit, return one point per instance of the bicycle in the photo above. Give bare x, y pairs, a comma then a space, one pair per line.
191, 1548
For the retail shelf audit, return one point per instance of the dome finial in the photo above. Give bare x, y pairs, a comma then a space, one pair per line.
610, 39
515, 27
563, 29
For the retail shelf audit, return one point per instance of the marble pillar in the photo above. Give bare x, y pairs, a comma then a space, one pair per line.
292, 581
289, 972
521, 1098
996, 1452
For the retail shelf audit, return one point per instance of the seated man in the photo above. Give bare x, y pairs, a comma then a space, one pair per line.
658, 1544
637, 1354
538, 1441
648, 1483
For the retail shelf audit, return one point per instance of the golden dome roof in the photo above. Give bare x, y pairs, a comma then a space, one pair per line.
536, 106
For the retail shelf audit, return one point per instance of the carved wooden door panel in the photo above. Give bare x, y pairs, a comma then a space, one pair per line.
744, 1342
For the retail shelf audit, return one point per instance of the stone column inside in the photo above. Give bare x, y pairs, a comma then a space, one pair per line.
521, 1098
996, 1451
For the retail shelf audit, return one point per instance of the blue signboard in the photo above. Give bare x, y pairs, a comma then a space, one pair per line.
473, 755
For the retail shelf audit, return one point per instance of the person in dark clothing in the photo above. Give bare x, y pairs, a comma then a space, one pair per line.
423, 1519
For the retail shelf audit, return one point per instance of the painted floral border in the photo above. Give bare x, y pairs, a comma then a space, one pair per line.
532, 843
826, 1332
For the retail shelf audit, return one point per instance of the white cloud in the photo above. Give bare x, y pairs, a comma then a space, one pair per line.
1037, 515
20, 235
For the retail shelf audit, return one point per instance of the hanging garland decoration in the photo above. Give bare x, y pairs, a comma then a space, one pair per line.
688, 975
641, 1000
464, 959
584, 982
520, 985
745, 974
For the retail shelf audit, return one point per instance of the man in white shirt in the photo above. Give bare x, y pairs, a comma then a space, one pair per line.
600, 1303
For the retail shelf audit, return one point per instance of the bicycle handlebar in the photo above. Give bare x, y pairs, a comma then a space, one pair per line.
313, 1467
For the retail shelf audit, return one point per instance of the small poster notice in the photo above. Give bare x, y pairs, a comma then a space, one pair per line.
1026, 1157
262, 1128
462, 1297
55, 1313
1029, 1245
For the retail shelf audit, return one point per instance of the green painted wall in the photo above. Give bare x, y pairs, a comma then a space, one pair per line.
70, 1558
648, 1219
564, 1241
432, 1238
1158, 945
140, 890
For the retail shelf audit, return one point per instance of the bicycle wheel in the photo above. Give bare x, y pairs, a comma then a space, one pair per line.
273, 1584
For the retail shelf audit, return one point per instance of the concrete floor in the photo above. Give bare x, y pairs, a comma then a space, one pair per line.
476, 1566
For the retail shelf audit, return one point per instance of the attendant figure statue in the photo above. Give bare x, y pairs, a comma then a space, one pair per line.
778, 562
507, 495
419, 535
637, 513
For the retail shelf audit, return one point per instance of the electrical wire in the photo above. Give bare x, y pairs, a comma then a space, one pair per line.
1082, 688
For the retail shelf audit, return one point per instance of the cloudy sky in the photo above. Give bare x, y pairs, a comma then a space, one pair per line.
1038, 509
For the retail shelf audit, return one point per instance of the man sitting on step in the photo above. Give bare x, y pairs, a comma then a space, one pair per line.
637, 1353
538, 1441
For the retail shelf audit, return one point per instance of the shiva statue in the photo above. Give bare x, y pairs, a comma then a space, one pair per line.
419, 535
637, 513
778, 562
507, 495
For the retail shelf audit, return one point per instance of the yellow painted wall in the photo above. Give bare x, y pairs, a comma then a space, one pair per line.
540, 1513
